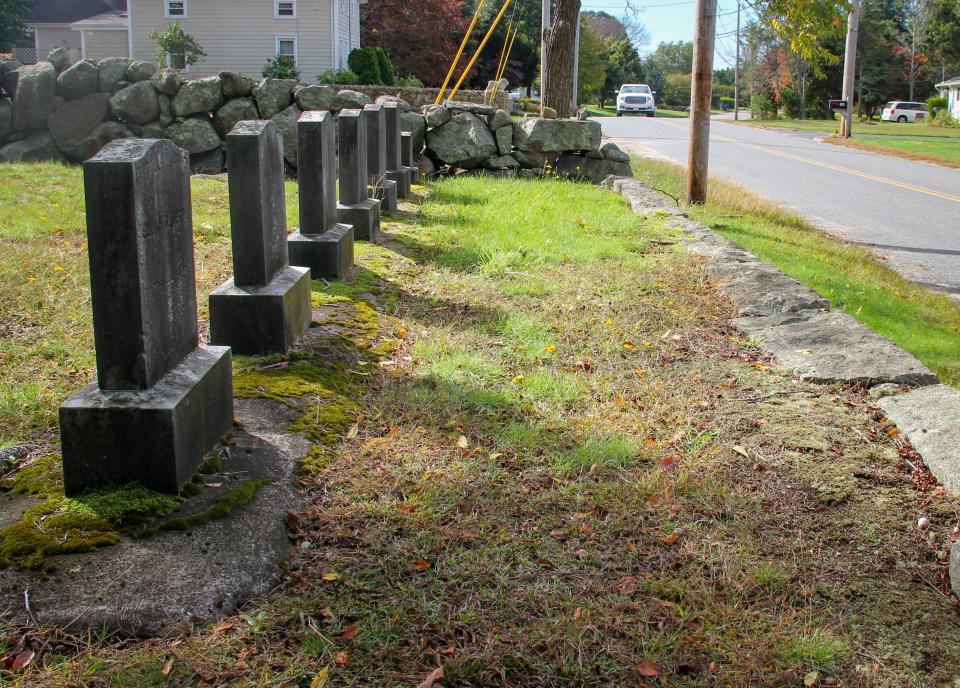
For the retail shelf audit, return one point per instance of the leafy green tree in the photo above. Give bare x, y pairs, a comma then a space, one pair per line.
13, 15
624, 66
364, 63
673, 57
385, 66
181, 48
592, 69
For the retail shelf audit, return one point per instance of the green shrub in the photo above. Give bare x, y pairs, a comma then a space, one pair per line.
385, 66
763, 106
181, 48
281, 67
364, 62
343, 77
937, 105
790, 98
408, 81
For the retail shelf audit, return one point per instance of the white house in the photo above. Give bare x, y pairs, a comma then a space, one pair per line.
950, 89
237, 35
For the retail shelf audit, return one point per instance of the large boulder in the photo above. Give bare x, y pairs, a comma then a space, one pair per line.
81, 79
236, 85
11, 77
578, 166
611, 151
194, 135
113, 71
36, 92
37, 146
169, 82
472, 108
6, 118
286, 122
140, 70
555, 135
401, 103
351, 100
532, 161
234, 111
210, 162
138, 103
166, 112
101, 136
199, 95
416, 124
500, 118
59, 58
436, 115
76, 120
464, 141
273, 96
315, 97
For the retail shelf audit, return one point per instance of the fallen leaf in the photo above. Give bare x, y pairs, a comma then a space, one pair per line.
167, 666
811, 679
741, 451
550, 349
495, 455
320, 680
463, 442
434, 676
353, 431
449, 650
348, 633
629, 346
330, 577
342, 658
671, 538
421, 565
648, 669
669, 461
220, 627
293, 520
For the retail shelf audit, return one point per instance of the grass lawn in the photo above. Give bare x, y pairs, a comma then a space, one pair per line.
943, 151
571, 471
921, 321
597, 111
875, 127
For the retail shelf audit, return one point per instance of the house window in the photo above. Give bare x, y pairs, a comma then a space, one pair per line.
175, 9
285, 9
287, 48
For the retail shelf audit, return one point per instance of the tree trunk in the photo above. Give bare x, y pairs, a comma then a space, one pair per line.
558, 62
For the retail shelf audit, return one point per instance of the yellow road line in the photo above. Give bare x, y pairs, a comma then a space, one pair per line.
830, 166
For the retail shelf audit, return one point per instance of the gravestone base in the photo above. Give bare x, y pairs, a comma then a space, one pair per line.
327, 255
365, 218
402, 178
158, 436
256, 320
386, 193
414, 174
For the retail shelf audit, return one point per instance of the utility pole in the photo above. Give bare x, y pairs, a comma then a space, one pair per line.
545, 20
850, 67
736, 72
700, 95
576, 65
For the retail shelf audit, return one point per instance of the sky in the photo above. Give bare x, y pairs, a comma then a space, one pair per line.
673, 20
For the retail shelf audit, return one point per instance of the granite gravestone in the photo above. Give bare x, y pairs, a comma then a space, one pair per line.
406, 156
395, 169
160, 402
381, 187
266, 306
356, 207
322, 244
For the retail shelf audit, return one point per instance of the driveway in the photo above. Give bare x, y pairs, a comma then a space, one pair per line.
907, 211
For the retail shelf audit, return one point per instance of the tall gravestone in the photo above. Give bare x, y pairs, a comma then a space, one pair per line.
382, 188
266, 306
356, 207
160, 402
406, 156
395, 169
322, 244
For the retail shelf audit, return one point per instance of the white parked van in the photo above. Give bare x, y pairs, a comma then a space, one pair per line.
636, 98
903, 111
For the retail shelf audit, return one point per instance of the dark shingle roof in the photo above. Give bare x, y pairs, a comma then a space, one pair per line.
66, 11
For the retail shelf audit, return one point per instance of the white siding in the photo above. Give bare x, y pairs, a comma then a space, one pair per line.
105, 43
349, 25
52, 37
240, 35
954, 101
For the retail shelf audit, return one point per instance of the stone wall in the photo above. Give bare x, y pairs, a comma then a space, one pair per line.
54, 110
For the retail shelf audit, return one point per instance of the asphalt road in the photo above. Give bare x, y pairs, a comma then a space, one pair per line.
907, 211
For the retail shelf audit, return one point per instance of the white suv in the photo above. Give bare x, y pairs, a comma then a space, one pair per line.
903, 111
636, 98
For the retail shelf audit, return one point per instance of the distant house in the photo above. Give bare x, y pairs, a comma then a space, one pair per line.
951, 90
237, 35
86, 28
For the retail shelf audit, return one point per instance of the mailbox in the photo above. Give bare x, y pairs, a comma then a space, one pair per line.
840, 105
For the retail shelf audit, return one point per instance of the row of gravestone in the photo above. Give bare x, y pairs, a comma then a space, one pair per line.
161, 402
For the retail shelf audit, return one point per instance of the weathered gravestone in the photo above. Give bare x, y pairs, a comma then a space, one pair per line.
395, 169
382, 188
322, 244
406, 156
356, 207
160, 402
266, 306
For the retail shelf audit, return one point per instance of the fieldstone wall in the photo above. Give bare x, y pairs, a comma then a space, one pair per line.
419, 97
54, 110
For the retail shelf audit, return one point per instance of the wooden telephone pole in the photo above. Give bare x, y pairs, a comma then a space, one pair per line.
850, 67
701, 91
736, 72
